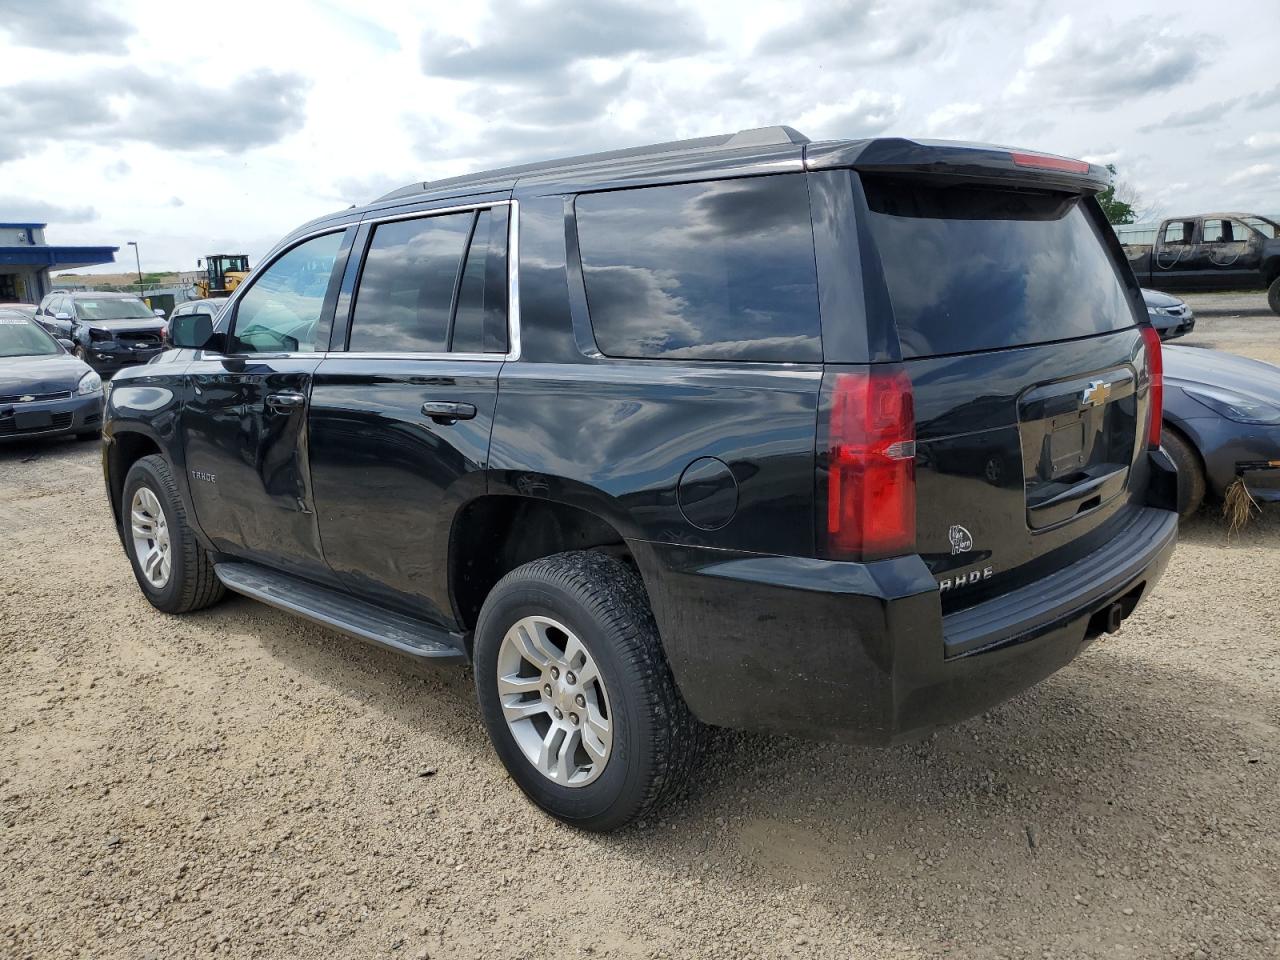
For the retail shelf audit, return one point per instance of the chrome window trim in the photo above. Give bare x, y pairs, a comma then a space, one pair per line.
513, 288
513, 285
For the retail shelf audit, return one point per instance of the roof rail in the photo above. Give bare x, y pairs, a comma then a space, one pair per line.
756, 137
766, 136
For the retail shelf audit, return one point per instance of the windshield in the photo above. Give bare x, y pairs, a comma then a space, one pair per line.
1263, 226
126, 308
19, 337
975, 268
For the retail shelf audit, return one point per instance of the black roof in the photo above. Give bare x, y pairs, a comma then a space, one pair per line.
505, 177
756, 152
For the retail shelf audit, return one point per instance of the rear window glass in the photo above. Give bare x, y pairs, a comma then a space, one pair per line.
702, 271
977, 269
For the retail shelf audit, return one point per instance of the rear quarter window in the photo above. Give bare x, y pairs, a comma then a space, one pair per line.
970, 268
703, 271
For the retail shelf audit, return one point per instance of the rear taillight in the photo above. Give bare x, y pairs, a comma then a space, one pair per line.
870, 465
1155, 369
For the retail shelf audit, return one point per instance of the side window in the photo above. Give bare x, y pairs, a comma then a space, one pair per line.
722, 270
434, 284
283, 311
1217, 231
1179, 231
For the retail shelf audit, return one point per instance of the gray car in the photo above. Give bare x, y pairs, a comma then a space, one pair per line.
1169, 315
1221, 422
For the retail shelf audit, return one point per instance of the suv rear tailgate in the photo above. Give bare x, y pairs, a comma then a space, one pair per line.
1017, 322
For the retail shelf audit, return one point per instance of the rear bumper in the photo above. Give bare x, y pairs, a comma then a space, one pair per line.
862, 652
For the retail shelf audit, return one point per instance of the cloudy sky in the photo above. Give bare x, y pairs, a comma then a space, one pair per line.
141, 120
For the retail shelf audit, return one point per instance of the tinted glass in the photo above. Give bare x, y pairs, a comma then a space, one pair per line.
406, 287
19, 337
282, 312
468, 322
976, 269
707, 271
127, 308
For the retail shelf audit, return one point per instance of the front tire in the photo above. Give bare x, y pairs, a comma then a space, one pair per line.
576, 693
1273, 296
173, 570
1191, 482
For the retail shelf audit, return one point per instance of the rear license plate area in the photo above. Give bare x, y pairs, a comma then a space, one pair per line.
1066, 446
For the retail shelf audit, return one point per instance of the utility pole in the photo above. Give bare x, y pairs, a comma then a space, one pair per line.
137, 259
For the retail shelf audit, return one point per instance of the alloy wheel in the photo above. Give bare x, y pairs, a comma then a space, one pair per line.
150, 537
554, 701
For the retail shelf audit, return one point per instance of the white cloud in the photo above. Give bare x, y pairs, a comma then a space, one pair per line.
1254, 173
118, 126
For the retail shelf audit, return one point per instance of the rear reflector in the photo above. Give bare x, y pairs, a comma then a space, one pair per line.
871, 465
1043, 161
1155, 368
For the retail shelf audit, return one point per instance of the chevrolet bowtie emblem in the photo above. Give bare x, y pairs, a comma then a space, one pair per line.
1096, 393
27, 399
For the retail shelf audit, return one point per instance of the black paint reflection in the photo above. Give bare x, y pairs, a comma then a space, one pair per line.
713, 271
406, 287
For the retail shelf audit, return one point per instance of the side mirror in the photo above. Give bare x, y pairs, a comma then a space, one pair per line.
158, 312
62, 316
191, 331
66, 344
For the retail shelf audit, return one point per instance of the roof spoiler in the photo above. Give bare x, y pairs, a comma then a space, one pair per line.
980, 162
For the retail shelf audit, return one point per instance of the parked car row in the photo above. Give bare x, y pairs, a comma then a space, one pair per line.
44, 391
108, 331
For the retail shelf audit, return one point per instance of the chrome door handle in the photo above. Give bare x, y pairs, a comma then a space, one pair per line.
448, 411
285, 402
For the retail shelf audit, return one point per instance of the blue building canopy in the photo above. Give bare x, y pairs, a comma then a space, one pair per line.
56, 258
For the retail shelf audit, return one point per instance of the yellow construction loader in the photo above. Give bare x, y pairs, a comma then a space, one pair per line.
223, 272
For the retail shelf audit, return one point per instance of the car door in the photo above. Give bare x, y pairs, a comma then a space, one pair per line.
1232, 252
244, 419
402, 407
1176, 259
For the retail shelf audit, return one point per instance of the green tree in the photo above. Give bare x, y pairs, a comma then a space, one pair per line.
1116, 209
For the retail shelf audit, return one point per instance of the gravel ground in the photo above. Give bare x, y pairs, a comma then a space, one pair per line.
242, 783
1238, 303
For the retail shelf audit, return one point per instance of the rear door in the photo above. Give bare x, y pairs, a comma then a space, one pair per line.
1017, 324
244, 420
1232, 252
402, 409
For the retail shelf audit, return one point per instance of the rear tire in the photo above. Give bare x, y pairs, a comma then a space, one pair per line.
1191, 482
185, 580
1273, 296
595, 605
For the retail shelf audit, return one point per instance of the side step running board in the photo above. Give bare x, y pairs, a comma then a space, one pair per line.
341, 611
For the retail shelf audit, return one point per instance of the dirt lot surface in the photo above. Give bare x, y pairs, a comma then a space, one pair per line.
1247, 303
242, 783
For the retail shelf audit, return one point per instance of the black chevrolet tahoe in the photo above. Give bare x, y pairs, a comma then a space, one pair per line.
847, 440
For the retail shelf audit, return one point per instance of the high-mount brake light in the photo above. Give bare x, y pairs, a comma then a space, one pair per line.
1155, 368
871, 466
1044, 161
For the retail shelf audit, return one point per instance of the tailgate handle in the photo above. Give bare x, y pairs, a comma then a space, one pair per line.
448, 411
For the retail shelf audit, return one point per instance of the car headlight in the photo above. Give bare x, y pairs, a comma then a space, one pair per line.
1236, 406
1164, 311
90, 384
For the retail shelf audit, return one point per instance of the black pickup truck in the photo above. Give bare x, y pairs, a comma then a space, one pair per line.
672, 436
1212, 251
